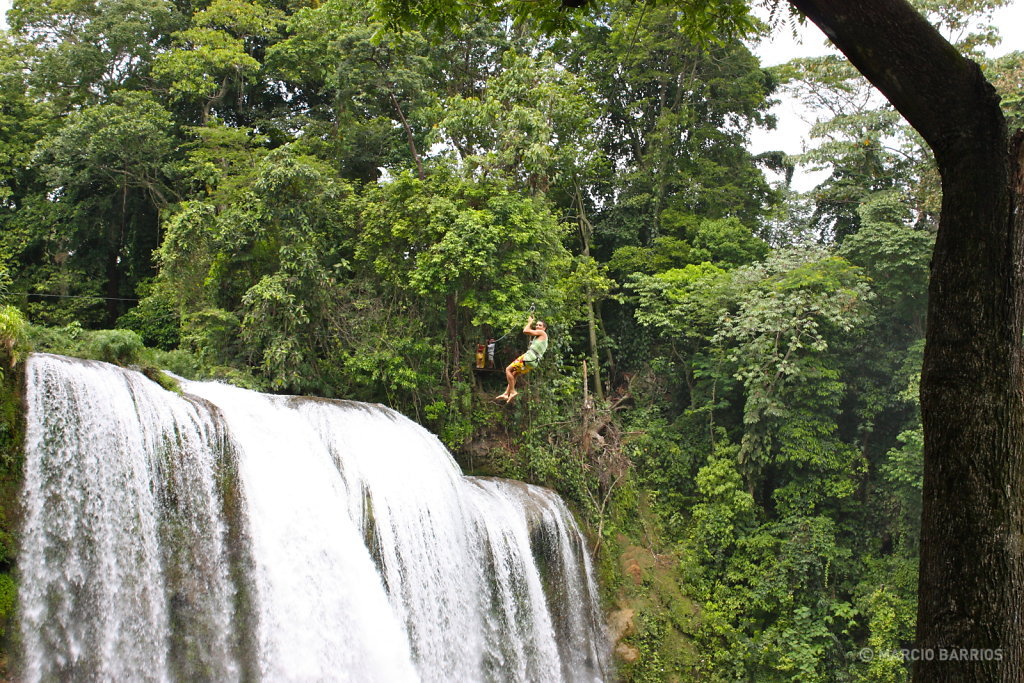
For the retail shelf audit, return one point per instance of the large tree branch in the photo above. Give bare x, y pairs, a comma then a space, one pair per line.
942, 94
409, 136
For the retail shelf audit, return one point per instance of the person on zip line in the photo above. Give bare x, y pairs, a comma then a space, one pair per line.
529, 360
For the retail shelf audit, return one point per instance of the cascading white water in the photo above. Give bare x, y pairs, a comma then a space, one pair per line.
224, 534
123, 553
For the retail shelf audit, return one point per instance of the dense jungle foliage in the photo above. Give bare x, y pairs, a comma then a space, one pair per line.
298, 197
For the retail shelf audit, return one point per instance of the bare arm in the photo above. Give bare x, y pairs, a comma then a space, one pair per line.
543, 334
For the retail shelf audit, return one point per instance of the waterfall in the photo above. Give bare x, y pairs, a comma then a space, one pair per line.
221, 534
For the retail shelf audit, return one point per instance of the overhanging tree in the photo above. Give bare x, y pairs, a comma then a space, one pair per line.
970, 586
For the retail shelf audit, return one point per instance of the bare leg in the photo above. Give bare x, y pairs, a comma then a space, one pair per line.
511, 392
510, 376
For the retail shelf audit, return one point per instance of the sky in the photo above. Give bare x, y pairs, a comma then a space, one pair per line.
790, 135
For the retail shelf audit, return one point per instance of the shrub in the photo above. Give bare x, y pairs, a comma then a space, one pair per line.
68, 340
13, 337
156, 321
122, 347
179, 361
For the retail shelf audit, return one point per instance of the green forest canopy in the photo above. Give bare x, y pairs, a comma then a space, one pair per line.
305, 198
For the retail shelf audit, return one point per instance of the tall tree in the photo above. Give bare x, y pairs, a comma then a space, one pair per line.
213, 58
972, 569
82, 52
106, 169
674, 120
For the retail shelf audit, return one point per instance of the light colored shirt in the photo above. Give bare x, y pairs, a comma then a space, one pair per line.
535, 351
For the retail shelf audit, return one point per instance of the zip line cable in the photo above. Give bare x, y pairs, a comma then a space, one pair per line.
72, 296
533, 307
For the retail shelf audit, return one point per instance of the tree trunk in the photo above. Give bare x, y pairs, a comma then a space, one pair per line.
452, 327
409, 137
970, 586
592, 337
586, 230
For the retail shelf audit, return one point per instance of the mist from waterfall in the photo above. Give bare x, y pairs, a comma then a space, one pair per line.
221, 534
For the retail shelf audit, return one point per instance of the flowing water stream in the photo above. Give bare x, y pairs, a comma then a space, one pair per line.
223, 535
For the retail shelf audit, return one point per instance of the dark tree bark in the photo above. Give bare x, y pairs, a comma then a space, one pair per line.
971, 585
452, 326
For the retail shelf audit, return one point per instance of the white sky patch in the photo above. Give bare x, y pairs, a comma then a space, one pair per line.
794, 121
